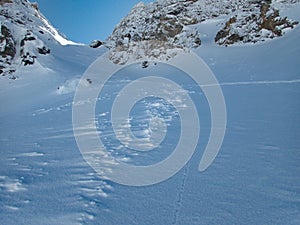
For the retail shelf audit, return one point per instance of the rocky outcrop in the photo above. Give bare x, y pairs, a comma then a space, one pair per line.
96, 44
154, 31
44, 50
21, 37
161, 29
270, 20
5, 1
7, 41
7, 51
261, 23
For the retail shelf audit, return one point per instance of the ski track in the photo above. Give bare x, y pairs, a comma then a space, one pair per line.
253, 83
180, 195
90, 188
68, 106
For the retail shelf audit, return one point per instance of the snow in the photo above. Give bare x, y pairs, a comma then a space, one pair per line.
56, 35
254, 179
68, 87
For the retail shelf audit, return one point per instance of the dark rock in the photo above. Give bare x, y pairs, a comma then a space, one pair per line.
272, 22
35, 5
9, 49
127, 36
176, 12
197, 41
96, 44
5, 1
20, 22
44, 50
89, 80
226, 30
145, 64
27, 58
136, 37
28, 37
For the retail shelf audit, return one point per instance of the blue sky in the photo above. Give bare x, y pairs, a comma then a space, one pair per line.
86, 20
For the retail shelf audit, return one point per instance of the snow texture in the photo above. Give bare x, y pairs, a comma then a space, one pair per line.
255, 179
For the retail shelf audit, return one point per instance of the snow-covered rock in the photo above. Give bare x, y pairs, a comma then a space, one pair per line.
96, 44
161, 29
25, 35
258, 22
153, 30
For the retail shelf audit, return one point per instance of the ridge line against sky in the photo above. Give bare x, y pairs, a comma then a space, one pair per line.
86, 20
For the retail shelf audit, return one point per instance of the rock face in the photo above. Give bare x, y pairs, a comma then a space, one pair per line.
154, 30
7, 50
262, 23
161, 29
25, 35
19, 44
5, 1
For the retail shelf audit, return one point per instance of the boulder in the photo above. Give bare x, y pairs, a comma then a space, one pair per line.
96, 44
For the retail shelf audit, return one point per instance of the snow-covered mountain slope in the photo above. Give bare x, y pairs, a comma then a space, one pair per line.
163, 28
34, 57
254, 179
27, 38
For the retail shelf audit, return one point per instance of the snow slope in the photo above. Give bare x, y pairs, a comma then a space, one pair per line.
254, 179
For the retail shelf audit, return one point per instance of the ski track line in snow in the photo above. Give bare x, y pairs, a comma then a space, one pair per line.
180, 196
253, 83
67, 106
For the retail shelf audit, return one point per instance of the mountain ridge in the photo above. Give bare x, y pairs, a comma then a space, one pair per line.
165, 26
157, 31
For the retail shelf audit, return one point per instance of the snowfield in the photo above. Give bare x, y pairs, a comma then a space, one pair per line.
255, 178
